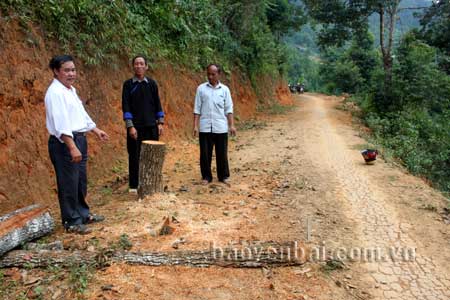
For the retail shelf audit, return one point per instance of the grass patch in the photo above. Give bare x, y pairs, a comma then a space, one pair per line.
38, 292
94, 242
79, 277
333, 265
429, 207
251, 124
278, 109
123, 243
118, 168
106, 191
392, 178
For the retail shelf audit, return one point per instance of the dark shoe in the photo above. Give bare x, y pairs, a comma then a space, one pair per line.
93, 218
78, 229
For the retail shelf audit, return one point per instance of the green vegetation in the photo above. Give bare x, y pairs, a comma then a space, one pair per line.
106, 191
79, 276
303, 58
245, 34
332, 265
123, 243
251, 124
429, 207
277, 109
402, 86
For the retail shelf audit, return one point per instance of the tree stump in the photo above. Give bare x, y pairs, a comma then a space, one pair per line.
24, 225
150, 168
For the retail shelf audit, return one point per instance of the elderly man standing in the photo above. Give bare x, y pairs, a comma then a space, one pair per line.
213, 119
67, 123
142, 113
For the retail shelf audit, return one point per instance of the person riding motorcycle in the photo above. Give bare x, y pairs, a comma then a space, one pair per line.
301, 88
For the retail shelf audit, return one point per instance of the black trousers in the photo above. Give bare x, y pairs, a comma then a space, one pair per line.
208, 141
134, 151
71, 179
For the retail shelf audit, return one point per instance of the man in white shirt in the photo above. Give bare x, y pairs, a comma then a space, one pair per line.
67, 123
213, 119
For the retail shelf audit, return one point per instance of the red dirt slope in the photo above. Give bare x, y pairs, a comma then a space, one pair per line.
27, 174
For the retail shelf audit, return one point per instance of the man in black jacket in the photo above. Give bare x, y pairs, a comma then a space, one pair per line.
142, 113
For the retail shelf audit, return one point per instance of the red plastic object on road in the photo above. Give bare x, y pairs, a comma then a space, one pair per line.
370, 155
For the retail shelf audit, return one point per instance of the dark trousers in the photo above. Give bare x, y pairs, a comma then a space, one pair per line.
134, 151
208, 141
71, 179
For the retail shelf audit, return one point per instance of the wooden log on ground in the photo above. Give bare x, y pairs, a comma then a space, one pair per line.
270, 254
24, 225
252, 256
45, 258
150, 168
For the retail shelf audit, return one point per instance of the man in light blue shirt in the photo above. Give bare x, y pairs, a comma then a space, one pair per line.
213, 119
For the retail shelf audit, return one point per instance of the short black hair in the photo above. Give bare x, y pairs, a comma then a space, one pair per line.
138, 56
57, 61
219, 68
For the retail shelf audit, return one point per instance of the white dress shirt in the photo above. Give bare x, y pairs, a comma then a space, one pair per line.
213, 104
65, 112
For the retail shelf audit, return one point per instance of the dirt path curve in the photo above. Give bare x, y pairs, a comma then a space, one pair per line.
406, 267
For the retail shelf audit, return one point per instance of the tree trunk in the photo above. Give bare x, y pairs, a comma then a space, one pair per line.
24, 225
390, 10
250, 256
150, 168
386, 49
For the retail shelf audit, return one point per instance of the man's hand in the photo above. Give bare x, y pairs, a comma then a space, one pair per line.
160, 129
195, 131
132, 132
73, 149
75, 153
232, 131
103, 136
196, 124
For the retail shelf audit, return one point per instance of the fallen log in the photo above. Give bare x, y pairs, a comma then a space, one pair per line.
150, 168
45, 258
251, 256
23, 225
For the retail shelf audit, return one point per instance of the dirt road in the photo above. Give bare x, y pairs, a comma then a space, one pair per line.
297, 176
387, 208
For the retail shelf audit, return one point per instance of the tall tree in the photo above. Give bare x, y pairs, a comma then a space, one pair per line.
363, 53
343, 18
436, 30
283, 17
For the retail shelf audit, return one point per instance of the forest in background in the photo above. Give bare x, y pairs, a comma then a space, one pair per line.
400, 79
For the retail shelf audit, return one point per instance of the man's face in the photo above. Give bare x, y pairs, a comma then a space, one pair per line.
213, 75
66, 74
139, 67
